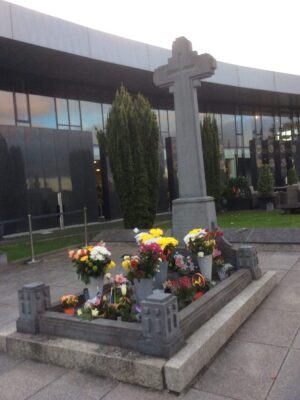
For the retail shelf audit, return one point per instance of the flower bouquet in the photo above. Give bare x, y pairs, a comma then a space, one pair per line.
142, 268
91, 261
69, 302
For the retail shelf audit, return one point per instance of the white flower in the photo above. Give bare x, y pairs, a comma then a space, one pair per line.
152, 240
136, 230
98, 253
95, 313
200, 254
123, 289
79, 312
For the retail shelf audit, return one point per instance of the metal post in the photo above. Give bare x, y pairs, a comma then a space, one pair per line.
33, 260
85, 226
31, 238
61, 211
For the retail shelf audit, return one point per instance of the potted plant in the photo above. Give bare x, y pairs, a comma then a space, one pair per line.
69, 303
91, 263
202, 243
142, 268
265, 188
238, 194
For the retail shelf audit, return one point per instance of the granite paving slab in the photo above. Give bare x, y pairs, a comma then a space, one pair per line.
296, 342
194, 394
124, 391
243, 371
26, 379
291, 279
76, 386
287, 385
283, 298
282, 260
280, 274
266, 326
8, 362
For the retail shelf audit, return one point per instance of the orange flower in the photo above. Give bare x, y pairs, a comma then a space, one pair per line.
71, 253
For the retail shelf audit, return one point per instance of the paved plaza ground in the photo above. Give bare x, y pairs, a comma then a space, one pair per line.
261, 361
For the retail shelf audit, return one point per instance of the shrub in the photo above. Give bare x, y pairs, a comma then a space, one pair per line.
237, 188
292, 176
265, 184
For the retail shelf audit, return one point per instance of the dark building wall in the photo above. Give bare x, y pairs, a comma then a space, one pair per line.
36, 164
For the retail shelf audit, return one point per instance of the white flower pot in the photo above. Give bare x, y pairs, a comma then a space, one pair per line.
161, 276
95, 286
142, 289
205, 265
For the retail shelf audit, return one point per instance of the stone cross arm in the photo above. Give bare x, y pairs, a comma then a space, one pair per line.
184, 62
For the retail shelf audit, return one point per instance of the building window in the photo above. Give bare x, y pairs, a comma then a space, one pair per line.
42, 111
228, 128
163, 118
62, 113
249, 129
7, 113
22, 111
91, 116
106, 109
286, 126
74, 114
268, 126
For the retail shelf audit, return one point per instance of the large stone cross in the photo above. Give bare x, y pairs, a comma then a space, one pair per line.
182, 75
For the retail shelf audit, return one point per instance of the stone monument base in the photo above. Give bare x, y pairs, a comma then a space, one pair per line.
194, 212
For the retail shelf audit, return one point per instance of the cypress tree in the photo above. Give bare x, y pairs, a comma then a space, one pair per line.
133, 155
211, 156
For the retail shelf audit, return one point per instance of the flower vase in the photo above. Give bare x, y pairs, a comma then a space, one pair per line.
223, 273
142, 289
205, 265
95, 286
161, 276
69, 310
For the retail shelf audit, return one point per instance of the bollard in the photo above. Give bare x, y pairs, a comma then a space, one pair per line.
34, 299
247, 258
33, 259
161, 334
85, 227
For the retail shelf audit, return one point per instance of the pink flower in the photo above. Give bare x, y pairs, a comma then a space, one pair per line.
216, 253
120, 279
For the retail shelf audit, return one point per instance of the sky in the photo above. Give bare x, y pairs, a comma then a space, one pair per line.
254, 33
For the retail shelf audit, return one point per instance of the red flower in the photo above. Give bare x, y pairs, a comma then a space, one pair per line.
134, 263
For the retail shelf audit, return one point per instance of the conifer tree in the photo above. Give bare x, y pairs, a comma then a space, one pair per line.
211, 156
132, 142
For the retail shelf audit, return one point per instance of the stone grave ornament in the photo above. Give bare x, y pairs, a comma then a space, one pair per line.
182, 75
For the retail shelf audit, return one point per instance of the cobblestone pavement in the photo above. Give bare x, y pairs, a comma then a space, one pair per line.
260, 362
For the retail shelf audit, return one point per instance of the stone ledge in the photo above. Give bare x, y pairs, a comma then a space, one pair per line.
108, 361
181, 369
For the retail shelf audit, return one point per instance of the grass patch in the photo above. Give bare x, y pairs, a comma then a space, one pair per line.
258, 219
19, 247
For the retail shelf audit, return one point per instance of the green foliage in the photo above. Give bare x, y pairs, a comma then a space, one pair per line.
237, 188
132, 143
211, 156
292, 176
265, 184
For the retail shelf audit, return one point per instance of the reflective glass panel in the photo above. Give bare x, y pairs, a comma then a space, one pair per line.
219, 125
7, 113
248, 128
172, 123
238, 121
42, 111
267, 126
163, 116
228, 125
286, 126
74, 113
22, 107
91, 116
296, 126
62, 112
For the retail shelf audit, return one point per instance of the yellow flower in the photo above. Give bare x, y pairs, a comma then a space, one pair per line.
126, 265
111, 265
79, 312
166, 241
84, 258
145, 236
156, 232
95, 313
195, 231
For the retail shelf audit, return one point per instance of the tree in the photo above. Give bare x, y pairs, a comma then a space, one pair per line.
132, 143
265, 184
211, 156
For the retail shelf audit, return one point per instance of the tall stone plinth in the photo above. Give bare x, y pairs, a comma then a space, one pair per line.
192, 213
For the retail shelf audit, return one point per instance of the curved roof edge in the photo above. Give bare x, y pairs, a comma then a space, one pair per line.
32, 27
